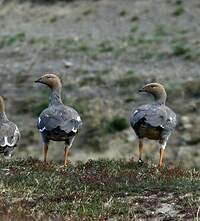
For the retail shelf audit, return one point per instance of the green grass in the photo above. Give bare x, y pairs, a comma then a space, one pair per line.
181, 49
10, 40
123, 13
88, 11
116, 124
160, 30
33, 104
72, 45
105, 46
179, 11
189, 88
95, 190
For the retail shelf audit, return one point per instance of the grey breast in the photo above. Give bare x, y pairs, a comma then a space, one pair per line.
155, 115
9, 134
64, 117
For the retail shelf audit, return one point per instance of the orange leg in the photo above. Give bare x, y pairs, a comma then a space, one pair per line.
45, 152
66, 154
162, 151
140, 150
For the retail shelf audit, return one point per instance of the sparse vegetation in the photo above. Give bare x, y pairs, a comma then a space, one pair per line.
116, 124
181, 49
94, 80
88, 11
9, 40
96, 190
105, 46
123, 13
72, 45
134, 18
179, 10
160, 31
34, 104
128, 80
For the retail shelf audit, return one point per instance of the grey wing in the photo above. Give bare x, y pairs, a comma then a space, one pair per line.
152, 114
64, 117
138, 114
156, 116
9, 134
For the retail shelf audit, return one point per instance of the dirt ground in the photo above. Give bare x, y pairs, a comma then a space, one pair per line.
103, 51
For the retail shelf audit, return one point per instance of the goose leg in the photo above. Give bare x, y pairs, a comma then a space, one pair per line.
66, 154
45, 152
67, 149
140, 151
162, 151
162, 145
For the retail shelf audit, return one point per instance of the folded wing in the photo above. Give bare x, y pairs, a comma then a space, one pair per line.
155, 116
66, 118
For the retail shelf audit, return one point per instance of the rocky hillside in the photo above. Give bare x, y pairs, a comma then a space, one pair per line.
103, 51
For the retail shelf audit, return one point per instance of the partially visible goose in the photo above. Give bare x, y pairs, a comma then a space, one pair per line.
57, 122
9, 132
154, 121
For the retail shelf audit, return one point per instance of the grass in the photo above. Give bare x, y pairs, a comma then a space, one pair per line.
134, 18
88, 11
139, 40
105, 46
128, 80
123, 13
34, 104
95, 190
72, 45
181, 49
92, 80
179, 11
160, 30
189, 88
10, 40
116, 124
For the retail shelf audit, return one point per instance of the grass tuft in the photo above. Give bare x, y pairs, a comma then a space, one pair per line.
116, 124
179, 11
11, 40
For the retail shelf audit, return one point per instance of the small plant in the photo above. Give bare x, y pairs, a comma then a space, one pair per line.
105, 46
116, 124
94, 80
128, 80
10, 40
21, 78
123, 13
72, 45
160, 31
134, 18
139, 40
134, 29
179, 11
53, 19
130, 72
88, 11
181, 49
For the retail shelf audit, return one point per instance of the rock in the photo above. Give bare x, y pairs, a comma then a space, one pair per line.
67, 64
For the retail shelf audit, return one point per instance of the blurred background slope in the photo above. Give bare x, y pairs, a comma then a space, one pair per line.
104, 51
